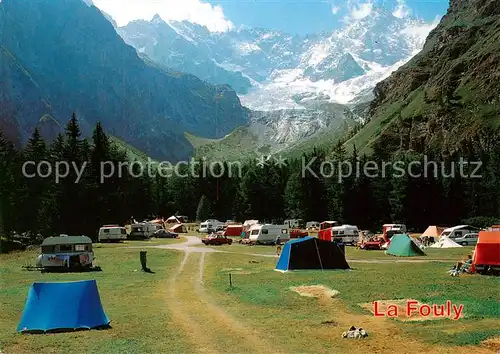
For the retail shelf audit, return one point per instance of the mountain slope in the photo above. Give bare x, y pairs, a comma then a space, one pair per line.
446, 93
165, 44
339, 65
285, 132
66, 56
292, 77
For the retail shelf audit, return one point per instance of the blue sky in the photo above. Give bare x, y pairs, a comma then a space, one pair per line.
310, 16
292, 16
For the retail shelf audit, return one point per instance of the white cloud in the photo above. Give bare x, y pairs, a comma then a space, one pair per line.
401, 10
417, 33
195, 11
335, 10
358, 10
361, 11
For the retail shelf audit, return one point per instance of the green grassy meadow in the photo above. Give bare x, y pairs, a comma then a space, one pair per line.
188, 305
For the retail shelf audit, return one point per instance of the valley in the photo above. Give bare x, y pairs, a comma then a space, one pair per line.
277, 175
301, 90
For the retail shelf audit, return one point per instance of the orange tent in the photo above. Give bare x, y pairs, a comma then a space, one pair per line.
433, 231
487, 252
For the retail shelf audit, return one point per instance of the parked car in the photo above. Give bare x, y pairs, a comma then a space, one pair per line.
467, 239
297, 233
165, 234
217, 240
372, 245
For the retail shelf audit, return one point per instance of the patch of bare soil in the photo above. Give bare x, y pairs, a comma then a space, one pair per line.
383, 307
492, 343
379, 330
238, 271
316, 291
231, 269
330, 323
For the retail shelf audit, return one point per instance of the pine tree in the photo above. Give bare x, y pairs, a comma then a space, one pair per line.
100, 197
35, 185
295, 197
204, 210
73, 189
9, 203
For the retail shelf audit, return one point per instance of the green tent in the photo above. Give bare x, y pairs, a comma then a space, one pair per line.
403, 246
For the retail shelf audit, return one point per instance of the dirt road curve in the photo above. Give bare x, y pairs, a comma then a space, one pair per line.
209, 328
194, 244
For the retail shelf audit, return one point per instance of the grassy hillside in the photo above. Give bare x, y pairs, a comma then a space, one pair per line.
238, 145
132, 152
274, 133
323, 140
243, 144
446, 94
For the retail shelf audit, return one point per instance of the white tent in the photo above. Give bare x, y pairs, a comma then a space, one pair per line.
418, 243
445, 242
250, 222
173, 220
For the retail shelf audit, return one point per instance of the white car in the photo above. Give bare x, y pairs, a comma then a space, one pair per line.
467, 239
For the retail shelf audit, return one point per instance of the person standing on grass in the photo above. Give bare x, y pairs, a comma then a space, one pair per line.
278, 246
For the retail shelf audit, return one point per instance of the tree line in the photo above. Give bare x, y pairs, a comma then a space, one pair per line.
315, 187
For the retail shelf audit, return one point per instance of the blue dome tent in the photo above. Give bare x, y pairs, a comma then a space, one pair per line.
311, 253
59, 306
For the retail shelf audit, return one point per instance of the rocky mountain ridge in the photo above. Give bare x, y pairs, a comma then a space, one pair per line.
60, 57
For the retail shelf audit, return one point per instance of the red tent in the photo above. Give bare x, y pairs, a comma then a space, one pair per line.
487, 252
233, 230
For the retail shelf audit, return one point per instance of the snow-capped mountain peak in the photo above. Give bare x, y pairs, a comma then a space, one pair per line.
268, 66
156, 20
308, 82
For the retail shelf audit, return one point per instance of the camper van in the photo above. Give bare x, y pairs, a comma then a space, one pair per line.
347, 234
390, 230
267, 234
294, 223
109, 233
144, 230
310, 225
183, 218
211, 225
325, 230
66, 252
459, 231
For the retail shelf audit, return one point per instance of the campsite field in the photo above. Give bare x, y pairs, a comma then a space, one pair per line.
188, 306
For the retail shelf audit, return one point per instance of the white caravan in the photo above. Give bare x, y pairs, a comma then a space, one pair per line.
66, 252
294, 223
268, 234
112, 233
348, 234
312, 225
144, 230
458, 231
210, 225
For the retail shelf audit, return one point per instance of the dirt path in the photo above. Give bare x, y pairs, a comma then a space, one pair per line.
194, 244
385, 336
209, 328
